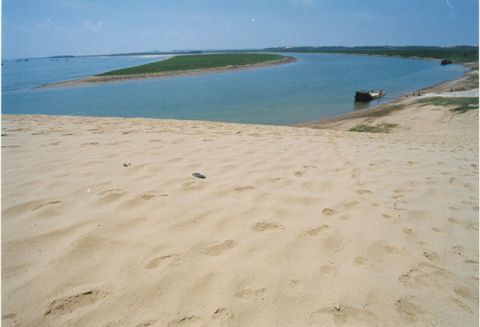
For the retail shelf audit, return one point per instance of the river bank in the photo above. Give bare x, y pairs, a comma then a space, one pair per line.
469, 81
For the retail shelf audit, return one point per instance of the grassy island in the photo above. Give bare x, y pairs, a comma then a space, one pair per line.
199, 62
184, 65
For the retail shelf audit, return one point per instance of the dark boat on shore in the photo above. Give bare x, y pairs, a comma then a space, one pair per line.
365, 96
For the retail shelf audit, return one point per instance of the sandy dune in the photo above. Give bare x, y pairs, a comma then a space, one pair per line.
291, 227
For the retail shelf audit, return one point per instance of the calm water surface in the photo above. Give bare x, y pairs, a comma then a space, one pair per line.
316, 86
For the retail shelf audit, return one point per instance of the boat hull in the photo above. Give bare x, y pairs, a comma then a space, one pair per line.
361, 96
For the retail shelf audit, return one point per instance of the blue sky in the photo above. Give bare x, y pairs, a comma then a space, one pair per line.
35, 28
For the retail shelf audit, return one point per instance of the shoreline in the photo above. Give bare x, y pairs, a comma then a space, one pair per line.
118, 78
445, 86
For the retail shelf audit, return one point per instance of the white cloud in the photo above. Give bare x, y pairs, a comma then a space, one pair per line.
92, 27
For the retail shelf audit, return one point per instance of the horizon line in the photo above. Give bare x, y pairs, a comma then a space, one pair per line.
183, 51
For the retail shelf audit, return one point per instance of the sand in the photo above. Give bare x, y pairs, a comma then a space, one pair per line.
459, 94
103, 223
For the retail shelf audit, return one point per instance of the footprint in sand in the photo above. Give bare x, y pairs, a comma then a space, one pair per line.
185, 321
111, 195
466, 293
343, 314
9, 316
316, 230
458, 250
328, 212
380, 252
426, 275
350, 205
70, 303
276, 179
328, 269
146, 323
252, 294
141, 199
170, 259
299, 173
222, 314
244, 188
462, 305
193, 185
454, 221
46, 204
294, 282
431, 255
471, 226
216, 248
438, 230
409, 232
360, 261
334, 241
408, 310
263, 226
147, 196
362, 191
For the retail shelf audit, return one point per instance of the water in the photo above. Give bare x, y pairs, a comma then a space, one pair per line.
316, 86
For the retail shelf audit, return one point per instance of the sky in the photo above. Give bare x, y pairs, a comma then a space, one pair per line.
38, 28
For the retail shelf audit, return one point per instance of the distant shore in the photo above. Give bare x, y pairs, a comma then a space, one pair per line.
117, 78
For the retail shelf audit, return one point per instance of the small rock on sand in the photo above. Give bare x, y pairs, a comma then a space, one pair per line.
198, 175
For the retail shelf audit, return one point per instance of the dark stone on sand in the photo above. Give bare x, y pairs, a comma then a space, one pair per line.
198, 175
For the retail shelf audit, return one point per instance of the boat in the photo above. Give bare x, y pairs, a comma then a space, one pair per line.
365, 96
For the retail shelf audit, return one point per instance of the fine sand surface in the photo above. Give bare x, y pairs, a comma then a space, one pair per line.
459, 94
291, 227
131, 77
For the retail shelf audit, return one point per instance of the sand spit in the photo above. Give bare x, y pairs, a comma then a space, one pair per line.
118, 78
291, 226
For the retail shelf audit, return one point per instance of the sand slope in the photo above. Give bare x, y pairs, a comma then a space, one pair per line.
291, 227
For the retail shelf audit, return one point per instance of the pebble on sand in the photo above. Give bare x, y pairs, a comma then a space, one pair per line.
198, 175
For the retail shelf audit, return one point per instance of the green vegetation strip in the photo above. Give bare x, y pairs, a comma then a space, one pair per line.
458, 54
460, 105
196, 62
380, 128
472, 79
